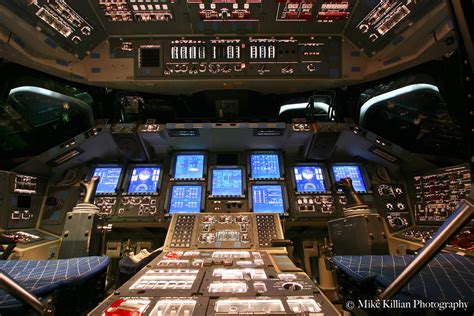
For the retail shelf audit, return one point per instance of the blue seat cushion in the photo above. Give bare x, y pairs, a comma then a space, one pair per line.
448, 277
42, 277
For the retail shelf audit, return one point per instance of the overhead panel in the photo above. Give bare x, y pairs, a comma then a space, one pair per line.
71, 24
376, 24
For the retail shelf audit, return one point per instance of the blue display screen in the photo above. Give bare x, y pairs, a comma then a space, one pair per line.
109, 178
144, 180
189, 166
264, 166
351, 171
185, 199
268, 198
227, 182
309, 179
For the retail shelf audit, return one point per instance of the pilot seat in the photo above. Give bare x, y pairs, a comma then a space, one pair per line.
417, 280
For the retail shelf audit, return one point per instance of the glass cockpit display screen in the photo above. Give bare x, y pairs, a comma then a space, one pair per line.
227, 182
185, 199
189, 166
351, 171
108, 179
268, 198
144, 180
309, 178
264, 166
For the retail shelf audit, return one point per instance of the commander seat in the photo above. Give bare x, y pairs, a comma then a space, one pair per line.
73, 285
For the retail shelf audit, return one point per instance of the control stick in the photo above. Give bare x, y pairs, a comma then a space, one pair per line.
90, 187
83, 221
353, 199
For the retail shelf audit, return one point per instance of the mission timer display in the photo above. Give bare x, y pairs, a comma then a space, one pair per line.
144, 180
264, 166
109, 178
268, 198
185, 199
309, 179
351, 171
189, 166
227, 182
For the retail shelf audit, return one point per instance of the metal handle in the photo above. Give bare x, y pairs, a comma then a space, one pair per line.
10, 286
459, 219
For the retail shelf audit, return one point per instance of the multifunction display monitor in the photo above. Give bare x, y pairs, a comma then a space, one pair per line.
189, 166
144, 180
265, 166
185, 199
342, 171
268, 198
227, 182
309, 179
109, 178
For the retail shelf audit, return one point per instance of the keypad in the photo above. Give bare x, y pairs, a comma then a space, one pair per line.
183, 232
266, 229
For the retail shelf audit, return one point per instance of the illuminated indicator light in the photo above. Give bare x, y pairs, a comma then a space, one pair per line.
230, 52
192, 54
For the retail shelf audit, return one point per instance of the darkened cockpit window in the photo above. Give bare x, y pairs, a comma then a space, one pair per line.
413, 116
34, 119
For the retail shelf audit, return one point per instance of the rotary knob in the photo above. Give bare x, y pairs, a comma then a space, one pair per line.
311, 68
213, 68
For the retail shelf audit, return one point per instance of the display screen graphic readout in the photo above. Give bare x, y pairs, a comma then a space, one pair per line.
268, 198
189, 166
264, 166
185, 199
227, 182
309, 179
353, 172
109, 178
144, 180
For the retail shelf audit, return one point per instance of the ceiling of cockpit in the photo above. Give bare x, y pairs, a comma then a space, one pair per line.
186, 46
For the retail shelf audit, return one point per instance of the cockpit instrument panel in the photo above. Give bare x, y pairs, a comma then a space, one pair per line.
438, 193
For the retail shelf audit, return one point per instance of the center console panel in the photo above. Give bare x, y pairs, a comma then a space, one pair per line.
220, 264
224, 231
